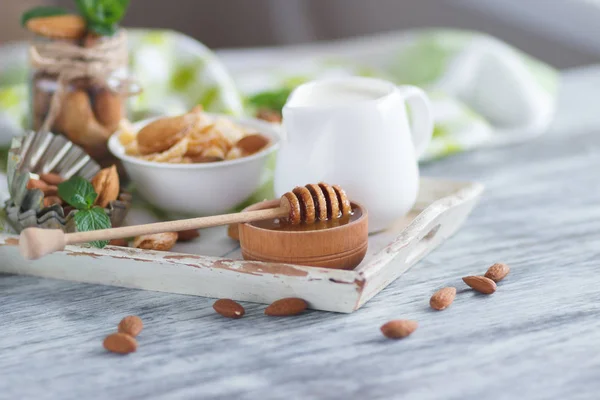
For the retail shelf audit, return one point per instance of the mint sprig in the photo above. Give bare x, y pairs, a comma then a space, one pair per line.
102, 16
80, 194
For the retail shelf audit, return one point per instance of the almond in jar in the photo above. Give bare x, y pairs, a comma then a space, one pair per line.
79, 82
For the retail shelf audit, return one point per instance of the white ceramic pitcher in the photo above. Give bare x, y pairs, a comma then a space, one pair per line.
355, 132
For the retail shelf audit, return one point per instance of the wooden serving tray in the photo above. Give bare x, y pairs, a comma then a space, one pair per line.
220, 272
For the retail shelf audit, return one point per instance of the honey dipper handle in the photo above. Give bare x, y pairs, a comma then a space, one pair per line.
175, 226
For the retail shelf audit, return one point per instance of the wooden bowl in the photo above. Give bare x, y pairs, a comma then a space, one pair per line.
341, 247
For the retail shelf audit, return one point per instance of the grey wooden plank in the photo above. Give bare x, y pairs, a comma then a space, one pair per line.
535, 338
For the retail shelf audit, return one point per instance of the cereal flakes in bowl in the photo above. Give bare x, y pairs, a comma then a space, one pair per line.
197, 163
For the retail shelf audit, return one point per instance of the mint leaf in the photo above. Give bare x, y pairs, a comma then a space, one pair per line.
91, 220
41, 12
89, 9
78, 192
103, 16
102, 29
114, 10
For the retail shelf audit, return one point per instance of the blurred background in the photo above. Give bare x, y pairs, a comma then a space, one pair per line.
562, 33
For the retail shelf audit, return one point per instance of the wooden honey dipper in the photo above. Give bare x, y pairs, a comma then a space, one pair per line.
304, 204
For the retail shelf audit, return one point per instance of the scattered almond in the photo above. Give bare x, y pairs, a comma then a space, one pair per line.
481, 284
51, 200
187, 235
229, 308
52, 179
497, 272
286, 307
120, 343
106, 184
399, 328
159, 241
131, 325
119, 243
58, 26
442, 298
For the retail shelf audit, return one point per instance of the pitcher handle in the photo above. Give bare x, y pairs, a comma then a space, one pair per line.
421, 117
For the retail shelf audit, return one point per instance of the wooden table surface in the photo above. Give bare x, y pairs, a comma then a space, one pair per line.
535, 338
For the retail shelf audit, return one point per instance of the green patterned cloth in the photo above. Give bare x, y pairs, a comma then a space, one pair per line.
484, 92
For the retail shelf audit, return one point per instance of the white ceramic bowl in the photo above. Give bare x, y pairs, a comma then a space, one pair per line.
198, 189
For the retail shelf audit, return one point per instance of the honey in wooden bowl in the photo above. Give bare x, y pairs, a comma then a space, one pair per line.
334, 243
282, 224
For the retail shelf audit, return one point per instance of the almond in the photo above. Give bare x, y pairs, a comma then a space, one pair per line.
77, 121
108, 108
52, 179
131, 325
229, 308
50, 190
58, 26
497, 272
158, 241
252, 143
399, 328
106, 184
269, 115
162, 134
187, 235
442, 298
37, 184
119, 243
286, 307
120, 343
51, 200
481, 284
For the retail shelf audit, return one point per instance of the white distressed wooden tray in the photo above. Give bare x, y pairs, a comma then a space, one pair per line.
212, 266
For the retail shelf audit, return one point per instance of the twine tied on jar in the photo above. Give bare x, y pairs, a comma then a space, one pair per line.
69, 61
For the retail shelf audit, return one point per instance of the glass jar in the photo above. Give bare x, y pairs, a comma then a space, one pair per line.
77, 89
